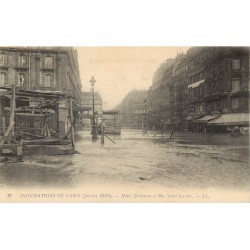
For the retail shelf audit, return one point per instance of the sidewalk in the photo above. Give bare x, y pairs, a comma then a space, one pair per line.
201, 138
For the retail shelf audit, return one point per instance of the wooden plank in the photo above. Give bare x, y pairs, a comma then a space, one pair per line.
7, 133
72, 125
30, 134
29, 114
7, 151
38, 93
15, 149
5, 93
46, 142
7, 146
49, 103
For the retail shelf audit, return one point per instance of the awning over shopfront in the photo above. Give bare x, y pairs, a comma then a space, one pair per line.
196, 84
231, 119
206, 119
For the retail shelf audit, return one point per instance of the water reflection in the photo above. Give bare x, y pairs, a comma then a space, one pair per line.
136, 160
41, 172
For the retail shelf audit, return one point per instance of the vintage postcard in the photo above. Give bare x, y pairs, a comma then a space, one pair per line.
124, 124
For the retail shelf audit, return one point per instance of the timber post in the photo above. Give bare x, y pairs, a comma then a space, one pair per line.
72, 123
102, 134
3, 124
19, 146
10, 129
9, 147
13, 107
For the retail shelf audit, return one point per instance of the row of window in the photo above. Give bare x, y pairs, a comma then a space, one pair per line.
183, 69
197, 77
48, 79
235, 104
235, 64
198, 92
197, 62
199, 109
22, 60
200, 60
181, 81
201, 75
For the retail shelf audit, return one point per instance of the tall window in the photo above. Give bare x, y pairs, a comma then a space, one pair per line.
236, 85
21, 80
235, 103
48, 62
3, 59
236, 64
22, 60
48, 80
2, 79
201, 108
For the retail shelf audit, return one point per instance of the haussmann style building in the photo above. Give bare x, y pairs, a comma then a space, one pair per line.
206, 89
47, 69
133, 109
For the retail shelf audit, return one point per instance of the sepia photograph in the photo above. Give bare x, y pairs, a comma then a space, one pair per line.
124, 124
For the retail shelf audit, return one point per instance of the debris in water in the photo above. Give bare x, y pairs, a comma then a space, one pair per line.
143, 178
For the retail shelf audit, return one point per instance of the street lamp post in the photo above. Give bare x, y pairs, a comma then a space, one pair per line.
93, 131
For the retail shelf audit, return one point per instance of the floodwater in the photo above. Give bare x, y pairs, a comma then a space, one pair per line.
137, 160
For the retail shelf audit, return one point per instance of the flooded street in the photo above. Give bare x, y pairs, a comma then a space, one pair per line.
135, 160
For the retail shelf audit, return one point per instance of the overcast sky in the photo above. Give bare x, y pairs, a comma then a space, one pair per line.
117, 70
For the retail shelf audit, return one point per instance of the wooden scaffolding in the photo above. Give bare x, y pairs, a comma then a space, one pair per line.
12, 136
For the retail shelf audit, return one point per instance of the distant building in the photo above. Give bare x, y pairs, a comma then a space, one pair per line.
133, 109
41, 68
87, 102
160, 96
87, 107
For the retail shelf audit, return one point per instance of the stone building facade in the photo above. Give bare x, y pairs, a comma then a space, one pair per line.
205, 81
41, 68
